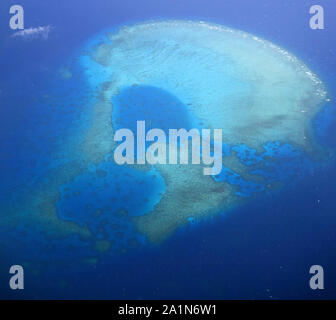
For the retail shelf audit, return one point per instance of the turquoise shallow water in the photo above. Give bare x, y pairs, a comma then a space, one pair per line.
106, 195
101, 193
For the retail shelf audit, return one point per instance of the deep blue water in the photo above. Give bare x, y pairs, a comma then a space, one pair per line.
144, 103
262, 250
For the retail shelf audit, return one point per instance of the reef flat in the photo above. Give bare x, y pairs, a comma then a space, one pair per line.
223, 78
175, 74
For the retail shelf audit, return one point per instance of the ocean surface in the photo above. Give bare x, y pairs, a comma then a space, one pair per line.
260, 249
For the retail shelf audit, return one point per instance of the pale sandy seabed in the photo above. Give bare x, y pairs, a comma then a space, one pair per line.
252, 89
